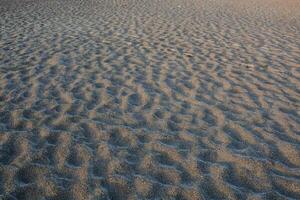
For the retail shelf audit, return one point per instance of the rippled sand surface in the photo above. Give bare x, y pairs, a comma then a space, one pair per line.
149, 99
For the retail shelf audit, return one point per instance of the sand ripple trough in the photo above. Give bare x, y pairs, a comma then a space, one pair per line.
149, 99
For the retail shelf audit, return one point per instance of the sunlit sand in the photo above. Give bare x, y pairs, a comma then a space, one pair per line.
149, 99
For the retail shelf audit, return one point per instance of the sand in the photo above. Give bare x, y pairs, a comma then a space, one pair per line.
149, 99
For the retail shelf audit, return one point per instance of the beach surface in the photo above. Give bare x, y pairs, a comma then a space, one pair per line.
149, 99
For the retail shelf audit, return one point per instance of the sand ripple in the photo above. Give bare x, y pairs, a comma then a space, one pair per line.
149, 99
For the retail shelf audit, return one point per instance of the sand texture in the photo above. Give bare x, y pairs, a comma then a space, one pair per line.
149, 99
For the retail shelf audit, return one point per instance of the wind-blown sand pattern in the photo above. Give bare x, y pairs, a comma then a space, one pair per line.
149, 99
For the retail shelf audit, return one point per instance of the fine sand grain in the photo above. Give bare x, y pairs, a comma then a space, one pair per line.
149, 99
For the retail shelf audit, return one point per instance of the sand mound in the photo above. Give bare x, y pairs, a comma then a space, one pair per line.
149, 99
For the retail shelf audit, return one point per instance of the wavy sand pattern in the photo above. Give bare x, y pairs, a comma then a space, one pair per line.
149, 99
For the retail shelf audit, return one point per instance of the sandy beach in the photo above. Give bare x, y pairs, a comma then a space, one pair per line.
149, 99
